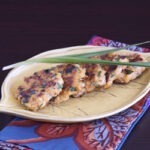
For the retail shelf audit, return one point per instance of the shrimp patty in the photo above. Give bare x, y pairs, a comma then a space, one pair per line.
39, 88
122, 74
131, 72
95, 77
73, 76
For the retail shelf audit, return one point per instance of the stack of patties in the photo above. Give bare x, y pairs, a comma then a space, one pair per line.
121, 74
53, 85
59, 83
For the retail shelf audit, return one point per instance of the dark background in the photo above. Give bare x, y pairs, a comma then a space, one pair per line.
28, 28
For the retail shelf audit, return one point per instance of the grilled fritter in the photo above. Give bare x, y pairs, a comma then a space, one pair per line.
73, 76
39, 89
95, 77
131, 72
122, 74
113, 72
59, 83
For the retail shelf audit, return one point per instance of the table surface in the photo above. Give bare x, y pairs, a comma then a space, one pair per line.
28, 28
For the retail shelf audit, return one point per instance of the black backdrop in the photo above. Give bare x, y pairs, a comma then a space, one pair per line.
28, 28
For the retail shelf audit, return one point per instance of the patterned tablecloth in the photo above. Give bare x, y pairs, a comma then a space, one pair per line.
102, 134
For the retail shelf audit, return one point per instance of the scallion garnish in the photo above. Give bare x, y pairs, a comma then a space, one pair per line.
83, 58
103, 52
75, 60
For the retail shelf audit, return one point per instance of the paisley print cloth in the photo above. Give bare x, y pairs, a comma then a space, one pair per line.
102, 134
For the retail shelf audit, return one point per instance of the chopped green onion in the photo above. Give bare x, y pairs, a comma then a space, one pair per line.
127, 71
72, 88
99, 73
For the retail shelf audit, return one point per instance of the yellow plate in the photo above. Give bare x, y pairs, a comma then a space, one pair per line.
89, 107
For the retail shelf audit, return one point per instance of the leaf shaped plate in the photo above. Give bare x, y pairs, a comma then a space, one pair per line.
89, 107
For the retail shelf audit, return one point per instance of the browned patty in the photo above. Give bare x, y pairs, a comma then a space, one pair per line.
95, 77
60, 83
122, 74
39, 88
131, 72
73, 76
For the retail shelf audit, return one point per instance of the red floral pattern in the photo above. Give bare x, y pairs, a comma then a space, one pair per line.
98, 41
